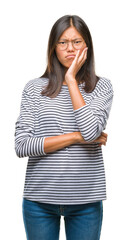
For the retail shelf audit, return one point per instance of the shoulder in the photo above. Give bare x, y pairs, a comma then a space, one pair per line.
103, 85
36, 84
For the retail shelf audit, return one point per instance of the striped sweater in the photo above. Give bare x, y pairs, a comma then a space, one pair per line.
74, 174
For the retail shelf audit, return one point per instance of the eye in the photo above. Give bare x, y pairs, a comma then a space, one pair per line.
62, 43
77, 42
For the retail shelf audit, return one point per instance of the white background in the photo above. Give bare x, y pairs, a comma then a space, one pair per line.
25, 27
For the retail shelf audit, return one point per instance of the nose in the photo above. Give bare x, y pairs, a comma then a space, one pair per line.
70, 47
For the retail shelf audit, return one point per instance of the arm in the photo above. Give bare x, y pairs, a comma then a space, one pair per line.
76, 97
91, 119
55, 143
26, 144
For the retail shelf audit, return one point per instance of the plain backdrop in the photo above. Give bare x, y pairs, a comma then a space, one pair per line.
24, 32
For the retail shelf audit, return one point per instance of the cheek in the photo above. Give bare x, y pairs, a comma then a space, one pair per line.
60, 56
63, 60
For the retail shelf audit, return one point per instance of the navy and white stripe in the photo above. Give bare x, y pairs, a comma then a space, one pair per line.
74, 174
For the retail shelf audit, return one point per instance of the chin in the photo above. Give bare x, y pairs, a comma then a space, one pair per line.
68, 64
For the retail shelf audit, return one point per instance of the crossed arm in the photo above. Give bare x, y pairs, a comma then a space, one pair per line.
55, 143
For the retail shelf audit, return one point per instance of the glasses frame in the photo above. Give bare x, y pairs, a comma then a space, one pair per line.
72, 41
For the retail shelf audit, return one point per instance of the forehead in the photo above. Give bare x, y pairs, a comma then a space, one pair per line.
70, 33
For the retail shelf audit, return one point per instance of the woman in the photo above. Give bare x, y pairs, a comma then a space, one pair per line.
60, 128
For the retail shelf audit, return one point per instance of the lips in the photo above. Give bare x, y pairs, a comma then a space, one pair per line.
70, 56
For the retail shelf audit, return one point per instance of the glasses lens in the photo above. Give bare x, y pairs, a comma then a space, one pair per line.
62, 45
78, 44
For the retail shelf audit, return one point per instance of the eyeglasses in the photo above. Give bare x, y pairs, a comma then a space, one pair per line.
63, 44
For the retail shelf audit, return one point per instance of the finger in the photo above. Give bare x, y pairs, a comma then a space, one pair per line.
78, 54
102, 143
105, 138
83, 53
102, 140
83, 56
80, 59
82, 50
76, 57
104, 134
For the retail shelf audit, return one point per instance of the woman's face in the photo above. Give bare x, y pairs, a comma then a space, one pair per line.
67, 56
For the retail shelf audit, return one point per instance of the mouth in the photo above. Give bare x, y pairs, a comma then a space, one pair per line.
70, 56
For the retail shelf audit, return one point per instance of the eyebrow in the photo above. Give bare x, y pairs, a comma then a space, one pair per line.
72, 39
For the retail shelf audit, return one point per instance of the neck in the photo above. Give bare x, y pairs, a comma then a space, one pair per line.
64, 82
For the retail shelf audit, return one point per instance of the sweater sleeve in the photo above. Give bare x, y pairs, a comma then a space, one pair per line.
26, 144
92, 118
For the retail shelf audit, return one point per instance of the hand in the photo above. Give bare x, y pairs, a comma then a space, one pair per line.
101, 140
76, 65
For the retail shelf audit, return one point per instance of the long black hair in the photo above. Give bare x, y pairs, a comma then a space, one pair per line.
55, 70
